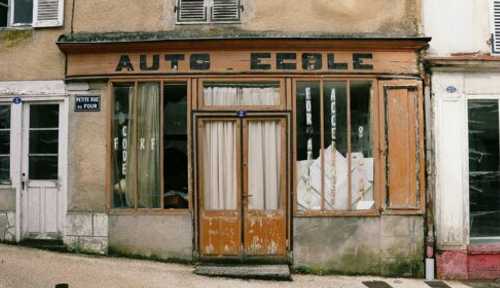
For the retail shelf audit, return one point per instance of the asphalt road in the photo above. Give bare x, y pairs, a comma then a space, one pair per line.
22, 267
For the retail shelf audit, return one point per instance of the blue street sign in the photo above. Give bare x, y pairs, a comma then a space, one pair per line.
17, 100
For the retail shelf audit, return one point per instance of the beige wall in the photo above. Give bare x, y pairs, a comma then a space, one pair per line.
388, 17
31, 53
87, 151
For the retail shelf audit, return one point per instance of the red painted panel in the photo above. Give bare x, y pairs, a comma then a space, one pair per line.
452, 265
484, 266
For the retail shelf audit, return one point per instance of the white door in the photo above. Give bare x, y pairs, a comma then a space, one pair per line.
42, 171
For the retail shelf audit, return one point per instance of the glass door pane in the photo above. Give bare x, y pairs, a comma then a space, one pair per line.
43, 142
220, 179
484, 168
264, 164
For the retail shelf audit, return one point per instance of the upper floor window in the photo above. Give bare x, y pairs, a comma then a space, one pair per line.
496, 26
36, 13
216, 11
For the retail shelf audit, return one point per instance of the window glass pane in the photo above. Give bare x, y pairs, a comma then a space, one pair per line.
23, 11
220, 165
42, 167
264, 164
44, 116
4, 117
148, 145
361, 146
4, 169
336, 168
123, 159
308, 145
4, 8
484, 168
3, 16
175, 146
44, 142
4, 142
248, 94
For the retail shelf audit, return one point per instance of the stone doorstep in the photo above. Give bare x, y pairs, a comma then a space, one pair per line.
265, 272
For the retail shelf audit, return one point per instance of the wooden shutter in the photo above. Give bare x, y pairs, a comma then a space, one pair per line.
191, 11
496, 26
225, 10
404, 144
48, 13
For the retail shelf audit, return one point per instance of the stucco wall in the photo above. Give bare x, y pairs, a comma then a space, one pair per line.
334, 16
450, 126
387, 245
8, 199
457, 26
31, 53
156, 236
87, 151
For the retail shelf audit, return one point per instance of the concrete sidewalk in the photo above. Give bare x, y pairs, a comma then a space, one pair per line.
22, 267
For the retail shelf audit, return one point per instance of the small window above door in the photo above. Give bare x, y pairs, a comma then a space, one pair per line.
242, 95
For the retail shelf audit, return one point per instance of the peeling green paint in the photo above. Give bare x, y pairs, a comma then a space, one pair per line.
11, 38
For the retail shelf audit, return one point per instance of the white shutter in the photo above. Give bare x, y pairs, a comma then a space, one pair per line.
48, 13
191, 11
225, 10
496, 26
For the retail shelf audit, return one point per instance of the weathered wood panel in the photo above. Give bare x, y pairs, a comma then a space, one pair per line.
234, 62
404, 146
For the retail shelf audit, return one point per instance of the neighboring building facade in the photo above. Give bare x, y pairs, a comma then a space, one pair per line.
33, 119
223, 130
464, 75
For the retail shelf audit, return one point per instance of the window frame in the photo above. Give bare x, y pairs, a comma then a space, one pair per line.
8, 182
474, 240
109, 118
280, 107
208, 5
495, 51
10, 15
375, 109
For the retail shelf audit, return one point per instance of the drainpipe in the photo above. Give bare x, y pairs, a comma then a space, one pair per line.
430, 176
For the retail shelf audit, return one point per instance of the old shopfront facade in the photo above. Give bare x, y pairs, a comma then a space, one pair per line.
306, 151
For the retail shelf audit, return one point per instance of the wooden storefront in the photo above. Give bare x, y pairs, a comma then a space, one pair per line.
258, 152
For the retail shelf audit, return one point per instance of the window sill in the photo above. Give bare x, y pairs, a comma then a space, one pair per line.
148, 212
16, 28
208, 23
361, 213
484, 246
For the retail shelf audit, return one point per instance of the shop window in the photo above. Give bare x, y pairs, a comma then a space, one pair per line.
238, 94
484, 168
142, 150
39, 13
196, 11
335, 164
4, 144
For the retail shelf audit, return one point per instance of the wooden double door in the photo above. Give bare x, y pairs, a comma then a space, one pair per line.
242, 184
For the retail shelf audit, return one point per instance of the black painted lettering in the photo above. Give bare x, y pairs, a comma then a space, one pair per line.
199, 62
286, 61
312, 61
153, 67
358, 61
335, 66
174, 60
124, 63
256, 61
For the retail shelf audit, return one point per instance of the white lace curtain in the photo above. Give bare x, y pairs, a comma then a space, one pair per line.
247, 96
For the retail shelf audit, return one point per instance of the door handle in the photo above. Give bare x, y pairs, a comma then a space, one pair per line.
23, 182
247, 196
